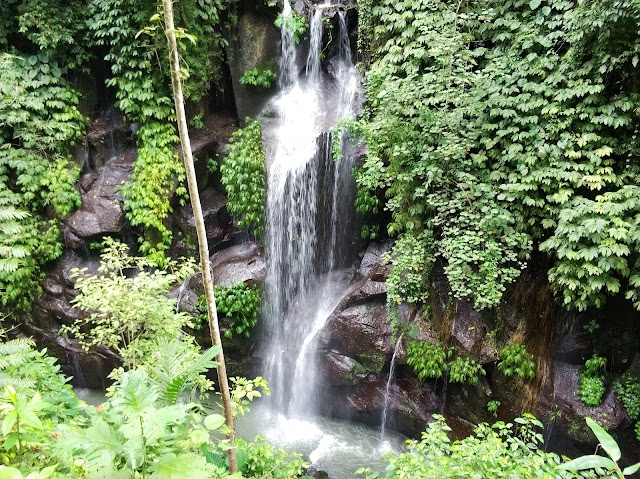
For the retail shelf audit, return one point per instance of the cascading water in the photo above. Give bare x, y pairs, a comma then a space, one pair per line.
309, 246
309, 212
387, 391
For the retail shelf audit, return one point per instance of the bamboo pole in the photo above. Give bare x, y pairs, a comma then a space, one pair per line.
187, 155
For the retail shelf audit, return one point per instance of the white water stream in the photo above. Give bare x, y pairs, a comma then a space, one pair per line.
310, 227
310, 233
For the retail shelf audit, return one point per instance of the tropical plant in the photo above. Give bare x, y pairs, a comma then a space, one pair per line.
39, 125
293, 22
256, 77
133, 435
497, 451
128, 314
239, 303
602, 465
428, 360
465, 370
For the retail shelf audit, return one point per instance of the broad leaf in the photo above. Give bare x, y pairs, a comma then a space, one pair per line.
608, 443
588, 462
183, 466
631, 469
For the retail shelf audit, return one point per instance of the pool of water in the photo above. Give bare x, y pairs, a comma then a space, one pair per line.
335, 446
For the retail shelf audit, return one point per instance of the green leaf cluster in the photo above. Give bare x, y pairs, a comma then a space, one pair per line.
430, 361
258, 77
239, 303
295, 23
243, 173
627, 390
128, 313
592, 386
515, 360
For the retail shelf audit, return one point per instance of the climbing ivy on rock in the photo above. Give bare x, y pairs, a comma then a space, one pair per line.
243, 173
498, 129
134, 35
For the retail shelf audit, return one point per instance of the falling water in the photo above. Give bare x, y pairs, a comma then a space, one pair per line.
387, 391
309, 210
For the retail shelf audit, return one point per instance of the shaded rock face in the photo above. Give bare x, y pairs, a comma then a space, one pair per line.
101, 212
256, 45
218, 223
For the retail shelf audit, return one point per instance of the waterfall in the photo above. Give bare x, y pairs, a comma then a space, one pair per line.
309, 226
387, 391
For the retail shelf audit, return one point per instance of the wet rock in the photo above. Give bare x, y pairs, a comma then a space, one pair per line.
372, 266
217, 221
256, 45
88, 369
341, 370
409, 405
109, 137
243, 263
560, 398
101, 212
360, 332
575, 348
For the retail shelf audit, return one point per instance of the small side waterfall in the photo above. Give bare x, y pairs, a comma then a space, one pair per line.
387, 391
310, 226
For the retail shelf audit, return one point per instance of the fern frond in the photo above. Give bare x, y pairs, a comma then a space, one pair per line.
176, 366
6, 380
15, 352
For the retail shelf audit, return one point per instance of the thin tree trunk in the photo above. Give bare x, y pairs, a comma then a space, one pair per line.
203, 246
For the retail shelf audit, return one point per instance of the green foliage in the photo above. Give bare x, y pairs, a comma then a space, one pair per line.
495, 129
39, 125
20, 418
591, 389
175, 366
13, 473
628, 391
257, 77
465, 370
412, 262
592, 386
243, 173
246, 390
602, 465
516, 360
143, 93
592, 241
295, 23
59, 30
133, 434
493, 406
128, 314
497, 451
268, 462
428, 360
239, 303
